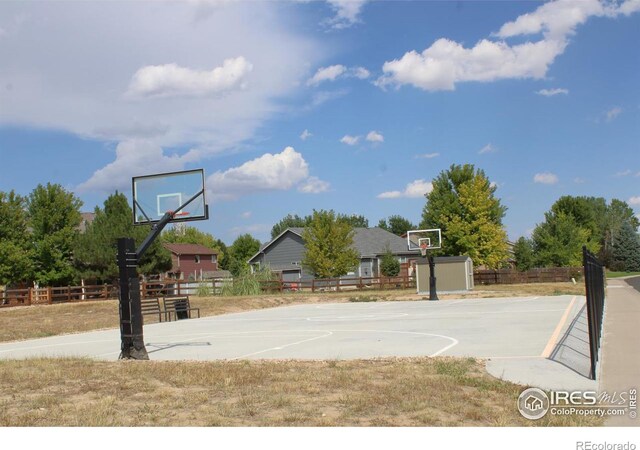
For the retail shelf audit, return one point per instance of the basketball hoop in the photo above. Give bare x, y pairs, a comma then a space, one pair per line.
423, 248
179, 214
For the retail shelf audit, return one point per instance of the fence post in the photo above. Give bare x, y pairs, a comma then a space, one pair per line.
313, 285
30, 296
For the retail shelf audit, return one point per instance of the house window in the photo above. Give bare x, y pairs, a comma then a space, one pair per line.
214, 258
197, 259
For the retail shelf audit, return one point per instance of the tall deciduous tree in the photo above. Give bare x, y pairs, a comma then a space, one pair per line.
243, 248
328, 246
626, 249
462, 203
54, 218
558, 241
96, 249
15, 250
290, 221
397, 225
523, 252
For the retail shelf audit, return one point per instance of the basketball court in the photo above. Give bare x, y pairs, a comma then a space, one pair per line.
506, 331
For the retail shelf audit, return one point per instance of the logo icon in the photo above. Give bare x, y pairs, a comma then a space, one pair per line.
533, 403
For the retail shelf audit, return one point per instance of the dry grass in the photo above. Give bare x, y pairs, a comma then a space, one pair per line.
381, 392
30, 322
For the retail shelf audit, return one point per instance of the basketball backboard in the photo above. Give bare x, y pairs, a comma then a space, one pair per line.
424, 239
182, 193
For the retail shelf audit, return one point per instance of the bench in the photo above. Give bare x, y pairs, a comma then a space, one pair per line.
179, 306
151, 306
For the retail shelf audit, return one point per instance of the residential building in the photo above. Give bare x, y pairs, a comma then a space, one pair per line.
284, 254
192, 262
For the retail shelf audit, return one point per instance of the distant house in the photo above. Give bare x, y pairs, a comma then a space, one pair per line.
192, 262
284, 254
87, 219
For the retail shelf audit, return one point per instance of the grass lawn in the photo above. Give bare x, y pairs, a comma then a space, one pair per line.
381, 392
378, 392
621, 274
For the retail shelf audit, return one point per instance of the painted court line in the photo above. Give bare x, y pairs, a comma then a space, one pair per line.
556, 333
329, 333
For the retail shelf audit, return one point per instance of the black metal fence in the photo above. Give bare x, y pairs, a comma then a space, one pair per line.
594, 280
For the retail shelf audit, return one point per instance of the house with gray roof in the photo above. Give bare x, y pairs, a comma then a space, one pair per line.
284, 254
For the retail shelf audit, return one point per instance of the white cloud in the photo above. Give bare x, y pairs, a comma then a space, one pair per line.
347, 13
172, 80
629, 7
360, 72
579, 180
281, 171
634, 201
489, 148
545, 178
428, 155
332, 73
246, 215
306, 134
77, 80
447, 62
415, 189
326, 74
350, 140
374, 136
133, 158
269, 172
623, 173
612, 114
552, 92
314, 185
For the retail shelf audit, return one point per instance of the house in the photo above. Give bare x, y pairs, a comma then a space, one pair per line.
284, 254
192, 262
87, 219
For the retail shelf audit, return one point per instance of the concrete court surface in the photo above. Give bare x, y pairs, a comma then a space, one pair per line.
516, 335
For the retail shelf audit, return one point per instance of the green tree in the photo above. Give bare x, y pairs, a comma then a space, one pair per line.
397, 225
223, 258
355, 220
96, 249
289, 222
558, 241
523, 250
619, 213
328, 246
389, 264
242, 249
15, 253
626, 249
54, 218
462, 203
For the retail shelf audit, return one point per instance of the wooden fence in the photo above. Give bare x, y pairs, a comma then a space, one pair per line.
340, 284
511, 276
53, 295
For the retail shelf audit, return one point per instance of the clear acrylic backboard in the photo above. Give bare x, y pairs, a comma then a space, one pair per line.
182, 193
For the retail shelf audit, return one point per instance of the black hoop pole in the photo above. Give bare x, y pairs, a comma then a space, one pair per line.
433, 295
131, 322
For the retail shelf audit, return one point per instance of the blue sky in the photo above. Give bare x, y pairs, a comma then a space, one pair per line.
347, 105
